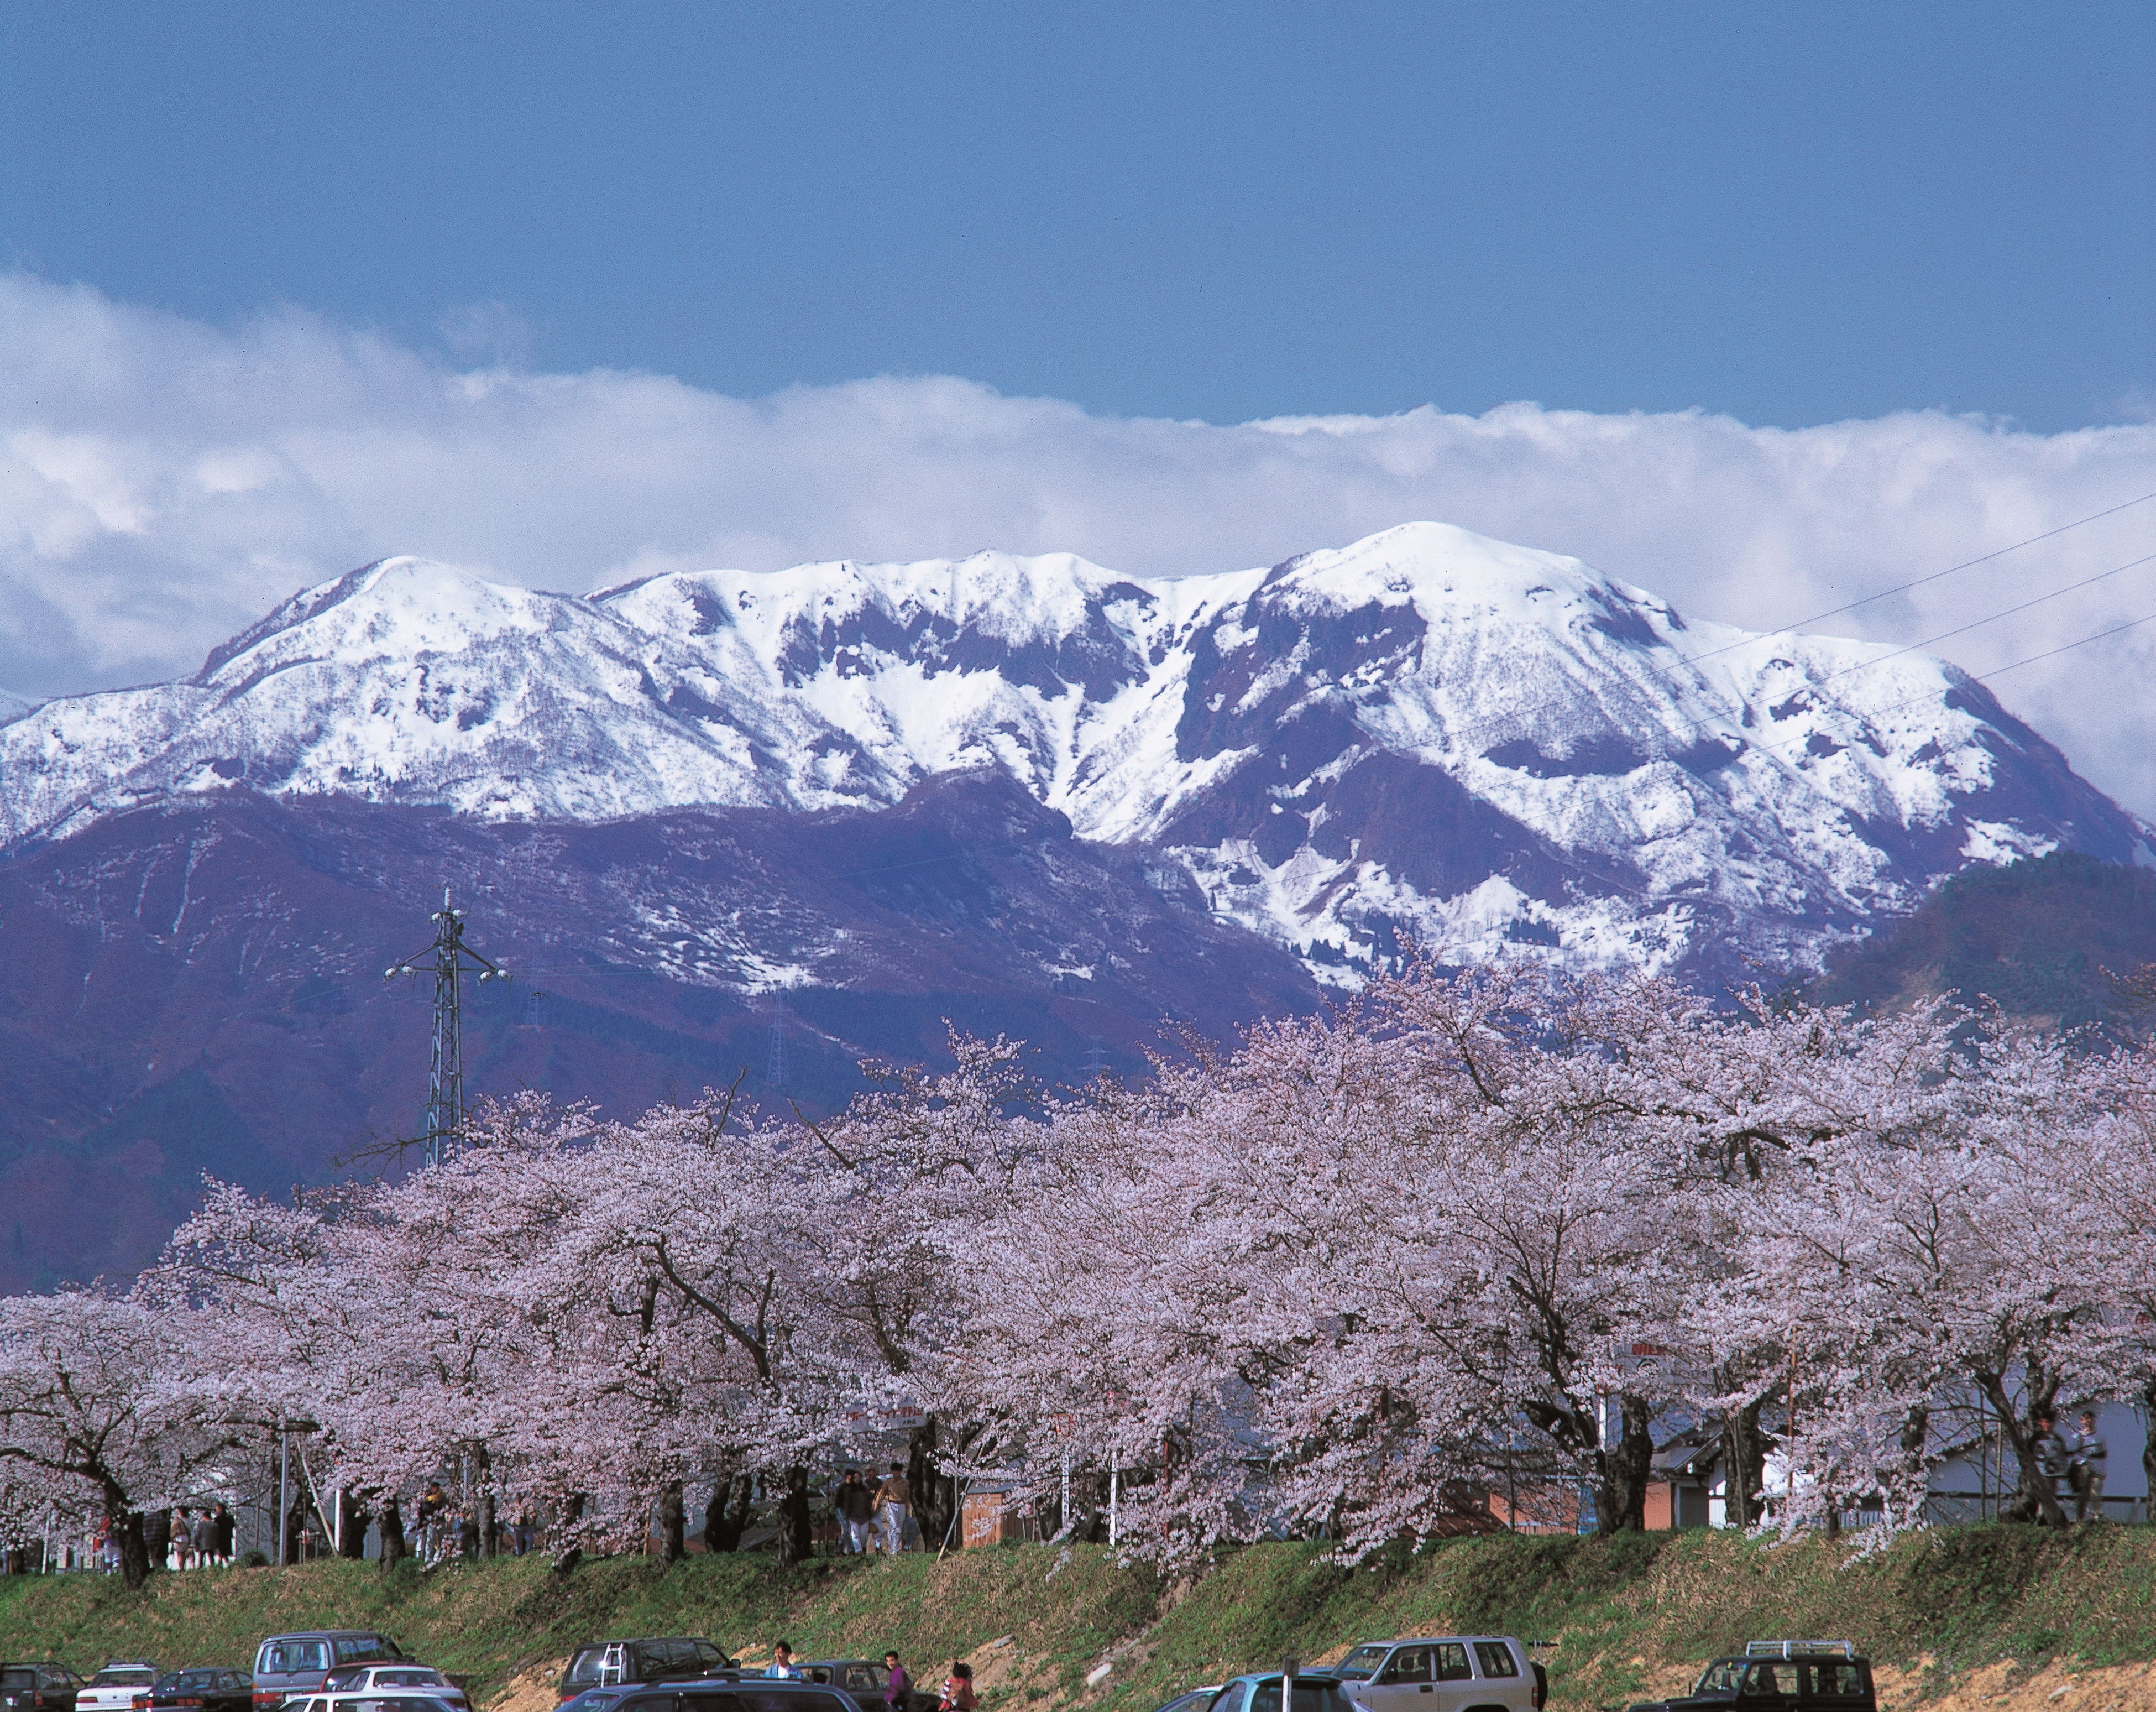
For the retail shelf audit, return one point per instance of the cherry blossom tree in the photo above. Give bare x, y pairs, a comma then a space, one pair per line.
101, 1413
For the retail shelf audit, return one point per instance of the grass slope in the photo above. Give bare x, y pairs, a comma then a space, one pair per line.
1622, 1613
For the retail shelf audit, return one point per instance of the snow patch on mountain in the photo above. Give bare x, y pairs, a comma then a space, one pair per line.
1425, 734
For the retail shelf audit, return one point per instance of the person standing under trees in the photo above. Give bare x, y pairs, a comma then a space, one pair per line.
224, 1530
431, 1503
2049, 1451
894, 1498
856, 1506
2084, 1468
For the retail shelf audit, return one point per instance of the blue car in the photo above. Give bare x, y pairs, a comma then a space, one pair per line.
1261, 1691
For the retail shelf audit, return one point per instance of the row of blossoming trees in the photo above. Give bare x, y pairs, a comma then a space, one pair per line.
1496, 1232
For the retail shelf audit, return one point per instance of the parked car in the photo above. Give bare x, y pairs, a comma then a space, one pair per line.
596, 1700
743, 1694
38, 1686
295, 1666
375, 1678
864, 1678
1443, 1673
201, 1688
388, 1700
605, 1664
1780, 1676
1261, 1691
115, 1688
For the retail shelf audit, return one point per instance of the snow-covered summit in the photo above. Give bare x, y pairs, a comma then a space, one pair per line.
1426, 732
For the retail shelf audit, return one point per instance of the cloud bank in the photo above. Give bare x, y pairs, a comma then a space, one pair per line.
163, 482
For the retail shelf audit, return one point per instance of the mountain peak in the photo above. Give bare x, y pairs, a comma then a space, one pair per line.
1426, 733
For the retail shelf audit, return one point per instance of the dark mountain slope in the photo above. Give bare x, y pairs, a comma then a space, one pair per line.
197, 986
2044, 939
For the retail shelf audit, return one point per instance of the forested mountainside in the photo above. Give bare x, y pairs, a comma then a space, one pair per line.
2061, 938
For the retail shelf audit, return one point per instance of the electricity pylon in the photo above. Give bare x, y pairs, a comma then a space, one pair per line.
445, 1079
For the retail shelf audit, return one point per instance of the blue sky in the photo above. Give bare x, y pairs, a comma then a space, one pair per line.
1794, 214
1763, 308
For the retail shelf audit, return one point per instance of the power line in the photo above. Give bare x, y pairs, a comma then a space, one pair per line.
1930, 576
1997, 671
1979, 623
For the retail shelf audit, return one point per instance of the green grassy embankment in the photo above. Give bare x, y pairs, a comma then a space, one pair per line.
1625, 1614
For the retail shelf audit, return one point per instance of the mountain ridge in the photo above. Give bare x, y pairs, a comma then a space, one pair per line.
1423, 734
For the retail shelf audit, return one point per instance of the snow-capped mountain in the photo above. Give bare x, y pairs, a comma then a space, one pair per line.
1426, 733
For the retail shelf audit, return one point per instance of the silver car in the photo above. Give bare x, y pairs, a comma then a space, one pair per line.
1444, 1673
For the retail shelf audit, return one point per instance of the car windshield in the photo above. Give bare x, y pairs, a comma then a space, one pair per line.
586, 1666
1361, 1664
1312, 1693
292, 1657
592, 1698
362, 1649
123, 1678
1722, 1677
409, 1677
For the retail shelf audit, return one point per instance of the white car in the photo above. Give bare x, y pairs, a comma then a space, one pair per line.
1444, 1673
395, 1688
114, 1689
399, 1678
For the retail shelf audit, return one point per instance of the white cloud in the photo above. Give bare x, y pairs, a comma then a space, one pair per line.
163, 482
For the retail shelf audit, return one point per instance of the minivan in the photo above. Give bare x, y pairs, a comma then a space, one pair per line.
286, 1666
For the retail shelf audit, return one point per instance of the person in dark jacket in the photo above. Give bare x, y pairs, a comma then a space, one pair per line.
203, 1537
856, 1506
157, 1534
226, 1529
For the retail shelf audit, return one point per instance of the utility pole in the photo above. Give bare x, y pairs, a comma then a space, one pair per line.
445, 1077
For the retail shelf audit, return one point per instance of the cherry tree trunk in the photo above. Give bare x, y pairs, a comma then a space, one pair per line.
352, 1518
673, 1524
1744, 1465
571, 1554
392, 1534
933, 1501
134, 1551
797, 1541
1622, 1470
2148, 1444
726, 1517
2040, 1500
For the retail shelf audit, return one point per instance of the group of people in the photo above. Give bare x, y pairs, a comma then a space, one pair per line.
446, 1530
184, 1538
958, 1694
866, 1512
2074, 1463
